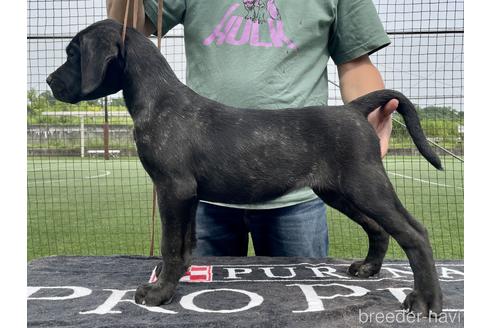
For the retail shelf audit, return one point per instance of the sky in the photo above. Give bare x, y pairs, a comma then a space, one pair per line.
428, 68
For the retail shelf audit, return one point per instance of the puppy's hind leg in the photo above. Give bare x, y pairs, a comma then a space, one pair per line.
378, 238
368, 188
177, 206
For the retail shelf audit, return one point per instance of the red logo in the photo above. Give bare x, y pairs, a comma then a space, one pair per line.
198, 273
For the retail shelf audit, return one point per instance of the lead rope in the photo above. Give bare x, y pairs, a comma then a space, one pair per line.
159, 36
154, 191
159, 23
125, 22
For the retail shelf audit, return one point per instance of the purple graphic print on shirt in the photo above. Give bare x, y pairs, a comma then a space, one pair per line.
258, 12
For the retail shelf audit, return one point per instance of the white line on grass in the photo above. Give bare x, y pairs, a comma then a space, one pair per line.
105, 174
424, 181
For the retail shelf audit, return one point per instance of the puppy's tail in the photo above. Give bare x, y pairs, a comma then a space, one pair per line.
373, 100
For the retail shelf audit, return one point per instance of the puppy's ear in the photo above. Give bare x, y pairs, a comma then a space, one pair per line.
96, 52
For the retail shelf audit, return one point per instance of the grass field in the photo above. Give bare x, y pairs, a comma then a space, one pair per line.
96, 207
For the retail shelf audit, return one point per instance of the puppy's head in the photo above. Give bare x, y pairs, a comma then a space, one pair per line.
94, 64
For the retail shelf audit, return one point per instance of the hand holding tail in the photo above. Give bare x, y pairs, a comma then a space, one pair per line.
380, 120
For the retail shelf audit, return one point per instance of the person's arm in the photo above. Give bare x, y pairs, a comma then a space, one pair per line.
116, 10
359, 77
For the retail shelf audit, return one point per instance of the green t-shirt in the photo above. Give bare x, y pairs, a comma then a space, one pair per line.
270, 54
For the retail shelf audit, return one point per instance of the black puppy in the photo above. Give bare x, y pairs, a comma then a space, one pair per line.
195, 148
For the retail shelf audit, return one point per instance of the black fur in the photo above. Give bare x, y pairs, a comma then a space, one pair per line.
195, 148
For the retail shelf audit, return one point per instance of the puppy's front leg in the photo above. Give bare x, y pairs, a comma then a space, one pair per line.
177, 209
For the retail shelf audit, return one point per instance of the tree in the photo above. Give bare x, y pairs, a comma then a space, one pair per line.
439, 112
117, 102
36, 103
48, 97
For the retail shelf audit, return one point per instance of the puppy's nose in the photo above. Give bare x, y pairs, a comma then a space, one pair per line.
49, 79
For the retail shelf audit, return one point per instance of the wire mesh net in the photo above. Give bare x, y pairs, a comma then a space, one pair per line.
85, 200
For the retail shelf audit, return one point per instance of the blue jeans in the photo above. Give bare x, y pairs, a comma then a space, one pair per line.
298, 230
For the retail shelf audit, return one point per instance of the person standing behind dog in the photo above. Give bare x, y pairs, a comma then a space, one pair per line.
272, 54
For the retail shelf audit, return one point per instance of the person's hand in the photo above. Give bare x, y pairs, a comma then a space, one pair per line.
380, 119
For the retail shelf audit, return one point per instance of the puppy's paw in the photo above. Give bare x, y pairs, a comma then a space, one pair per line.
364, 269
154, 295
419, 304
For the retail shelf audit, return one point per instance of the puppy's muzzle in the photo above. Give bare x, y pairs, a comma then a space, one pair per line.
49, 79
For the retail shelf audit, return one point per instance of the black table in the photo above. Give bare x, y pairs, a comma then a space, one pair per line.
232, 292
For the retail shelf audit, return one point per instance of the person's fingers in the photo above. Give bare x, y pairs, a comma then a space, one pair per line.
390, 107
384, 145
